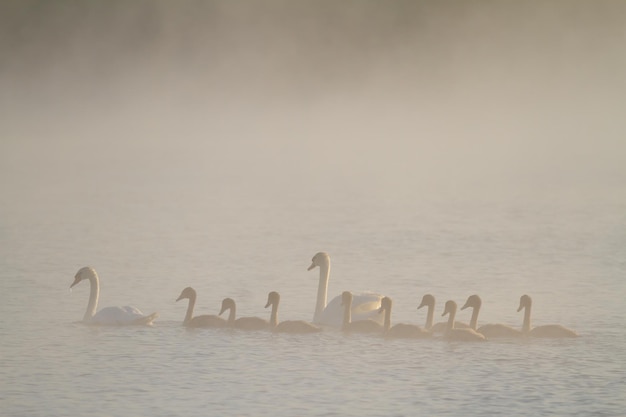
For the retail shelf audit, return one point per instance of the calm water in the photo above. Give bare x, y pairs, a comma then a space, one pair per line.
148, 243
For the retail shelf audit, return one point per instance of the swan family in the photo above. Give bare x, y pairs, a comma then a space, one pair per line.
350, 312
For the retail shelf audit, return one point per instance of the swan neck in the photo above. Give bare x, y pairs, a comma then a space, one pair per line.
94, 293
232, 313
452, 316
190, 306
347, 314
474, 320
274, 315
526, 325
430, 316
322, 290
387, 325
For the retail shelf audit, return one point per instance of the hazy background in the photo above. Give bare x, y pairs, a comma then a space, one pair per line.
452, 147
283, 99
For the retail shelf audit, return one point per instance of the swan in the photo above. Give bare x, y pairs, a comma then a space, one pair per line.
460, 335
400, 330
208, 320
242, 323
359, 326
429, 301
548, 330
488, 330
364, 306
116, 316
289, 326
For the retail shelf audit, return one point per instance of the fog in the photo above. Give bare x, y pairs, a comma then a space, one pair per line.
278, 100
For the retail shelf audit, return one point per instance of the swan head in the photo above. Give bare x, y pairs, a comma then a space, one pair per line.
346, 298
473, 301
83, 273
187, 293
450, 307
524, 302
227, 304
272, 298
427, 300
385, 304
320, 258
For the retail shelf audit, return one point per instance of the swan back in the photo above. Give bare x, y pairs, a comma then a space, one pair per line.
358, 326
364, 305
289, 326
242, 323
206, 320
547, 331
400, 330
115, 316
460, 335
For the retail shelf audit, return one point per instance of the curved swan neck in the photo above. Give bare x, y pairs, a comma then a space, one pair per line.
94, 293
387, 324
347, 313
452, 316
274, 315
232, 313
474, 320
322, 289
430, 316
190, 306
526, 324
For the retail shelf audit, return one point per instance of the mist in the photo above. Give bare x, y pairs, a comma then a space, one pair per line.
278, 100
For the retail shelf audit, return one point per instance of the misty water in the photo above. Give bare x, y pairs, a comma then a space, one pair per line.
450, 149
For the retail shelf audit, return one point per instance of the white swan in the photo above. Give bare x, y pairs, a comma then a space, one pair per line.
208, 320
364, 306
358, 326
460, 335
242, 323
429, 301
112, 316
400, 330
289, 326
548, 330
488, 330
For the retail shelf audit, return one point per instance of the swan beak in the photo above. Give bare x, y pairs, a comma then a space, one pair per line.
465, 306
520, 307
221, 311
268, 304
180, 297
420, 306
381, 309
311, 267
76, 281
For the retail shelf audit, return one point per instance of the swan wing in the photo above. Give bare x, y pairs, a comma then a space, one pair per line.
552, 331
251, 323
364, 307
499, 330
121, 316
296, 326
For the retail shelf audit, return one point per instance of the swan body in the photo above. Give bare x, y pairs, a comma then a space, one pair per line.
208, 320
548, 331
364, 306
359, 326
488, 330
459, 335
289, 326
242, 323
428, 300
108, 316
400, 330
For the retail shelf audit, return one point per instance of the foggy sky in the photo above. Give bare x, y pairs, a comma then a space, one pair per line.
381, 96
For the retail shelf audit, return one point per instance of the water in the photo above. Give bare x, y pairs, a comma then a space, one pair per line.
567, 256
429, 147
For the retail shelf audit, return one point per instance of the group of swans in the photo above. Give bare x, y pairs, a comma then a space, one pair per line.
353, 313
